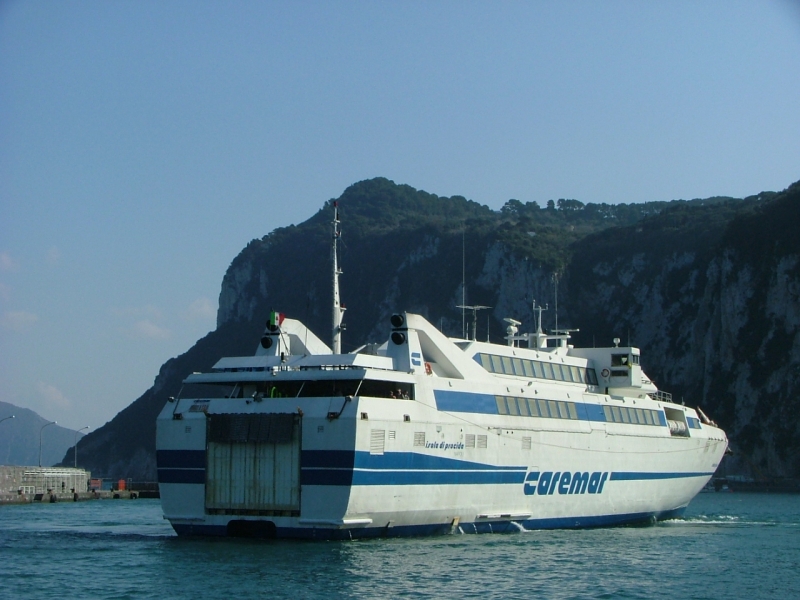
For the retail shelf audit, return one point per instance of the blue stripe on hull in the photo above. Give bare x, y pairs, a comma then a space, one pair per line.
413, 468
181, 476
326, 477
470, 402
329, 459
444, 528
400, 468
639, 476
347, 467
436, 477
419, 461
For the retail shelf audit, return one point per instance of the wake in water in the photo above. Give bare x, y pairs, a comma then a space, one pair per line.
709, 520
520, 527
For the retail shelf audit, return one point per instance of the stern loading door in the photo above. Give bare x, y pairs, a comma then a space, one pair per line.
253, 464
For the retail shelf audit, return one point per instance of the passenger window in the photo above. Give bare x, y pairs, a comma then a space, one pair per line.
501, 405
547, 368
607, 413
507, 368
538, 369
551, 404
640, 416
648, 417
528, 366
591, 377
573, 411
517, 366
523, 407
617, 415
576, 377
534, 410
486, 362
512, 406
543, 408
497, 365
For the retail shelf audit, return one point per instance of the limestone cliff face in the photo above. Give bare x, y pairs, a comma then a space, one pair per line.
716, 313
515, 282
711, 294
244, 284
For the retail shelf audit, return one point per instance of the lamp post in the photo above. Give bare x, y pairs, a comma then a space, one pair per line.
7, 418
40, 439
76, 444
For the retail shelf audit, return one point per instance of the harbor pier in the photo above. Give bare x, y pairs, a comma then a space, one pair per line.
24, 485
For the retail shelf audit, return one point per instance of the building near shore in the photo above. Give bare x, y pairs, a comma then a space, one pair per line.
30, 481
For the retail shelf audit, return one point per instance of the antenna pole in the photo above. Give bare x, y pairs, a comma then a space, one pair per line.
541, 338
463, 285
555, 281
338, 309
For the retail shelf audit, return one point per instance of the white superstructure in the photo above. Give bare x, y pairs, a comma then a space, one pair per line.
426, 434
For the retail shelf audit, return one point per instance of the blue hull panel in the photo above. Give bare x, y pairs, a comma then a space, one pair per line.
308, 533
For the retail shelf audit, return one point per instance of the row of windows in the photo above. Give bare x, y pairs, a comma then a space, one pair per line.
522, 367
557, 409
536, 407
624, 414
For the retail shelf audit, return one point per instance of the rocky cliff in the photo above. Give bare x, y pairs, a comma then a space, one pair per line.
708, 289
714, 304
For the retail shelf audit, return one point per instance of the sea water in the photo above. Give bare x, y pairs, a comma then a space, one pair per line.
727, 546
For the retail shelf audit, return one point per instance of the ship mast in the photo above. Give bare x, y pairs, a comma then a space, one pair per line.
475, 310
338, 309
541, 337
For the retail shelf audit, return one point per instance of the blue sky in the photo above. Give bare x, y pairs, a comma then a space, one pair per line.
143, 144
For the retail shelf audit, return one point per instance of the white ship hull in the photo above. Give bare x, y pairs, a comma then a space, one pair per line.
388, 467
425, 434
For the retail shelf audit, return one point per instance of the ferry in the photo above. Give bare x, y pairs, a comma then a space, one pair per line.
426, 434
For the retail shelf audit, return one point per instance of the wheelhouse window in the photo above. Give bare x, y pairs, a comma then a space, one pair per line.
620, 360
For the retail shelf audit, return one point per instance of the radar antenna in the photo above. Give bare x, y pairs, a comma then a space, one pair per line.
512, 330
474, 310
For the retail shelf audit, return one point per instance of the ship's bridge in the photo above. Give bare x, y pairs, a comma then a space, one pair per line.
619, 370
